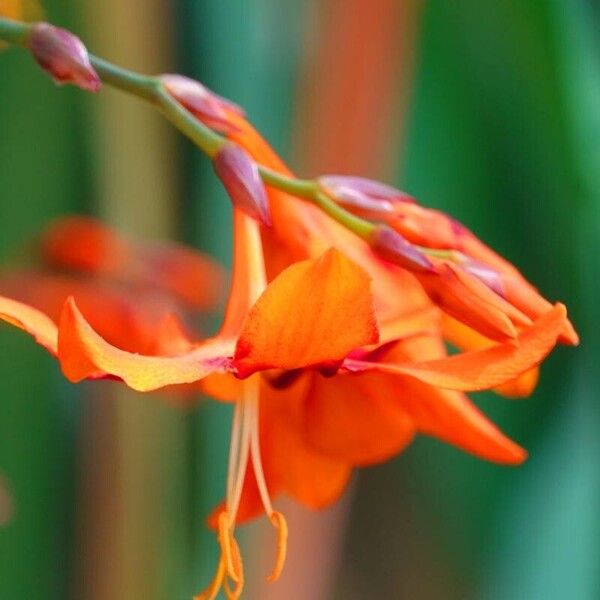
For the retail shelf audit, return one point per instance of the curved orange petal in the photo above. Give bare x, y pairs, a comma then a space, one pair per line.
482, 369
249, 279
133, 319
357, 419
83, 353
316, 311
466, 338
395, 406
31, 320
522, 386
453, 418
526, 298
291, 464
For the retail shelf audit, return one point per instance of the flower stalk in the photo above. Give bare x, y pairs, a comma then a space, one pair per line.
152, 89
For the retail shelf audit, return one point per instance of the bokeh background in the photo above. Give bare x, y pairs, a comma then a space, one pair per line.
488, 110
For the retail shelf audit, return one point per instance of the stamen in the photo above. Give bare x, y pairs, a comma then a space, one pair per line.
236, 592
233, 499
252, 399
225, 538
279, 522
275, 517
234, 448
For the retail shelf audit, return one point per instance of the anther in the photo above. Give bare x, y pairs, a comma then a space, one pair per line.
278, 521
225, 539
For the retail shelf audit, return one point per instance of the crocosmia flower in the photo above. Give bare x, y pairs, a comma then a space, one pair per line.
333, 347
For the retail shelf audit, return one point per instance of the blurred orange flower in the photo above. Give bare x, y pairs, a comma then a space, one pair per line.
134, 294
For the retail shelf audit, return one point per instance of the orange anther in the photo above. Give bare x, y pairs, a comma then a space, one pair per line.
225, 538
279, 522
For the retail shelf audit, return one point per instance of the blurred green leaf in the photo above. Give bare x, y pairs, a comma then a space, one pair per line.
41, 176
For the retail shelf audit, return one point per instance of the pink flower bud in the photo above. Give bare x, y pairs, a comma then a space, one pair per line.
240, 176
63, 56
390, 245
365, 197
206, 106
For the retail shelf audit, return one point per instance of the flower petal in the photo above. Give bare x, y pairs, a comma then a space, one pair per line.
136, 320
453, 418
520, 387
468, 339
83, 353
308, 475
31, 320
314, 312
482, 369
357, 419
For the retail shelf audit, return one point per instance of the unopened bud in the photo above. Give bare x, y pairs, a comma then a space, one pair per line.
63, 56
240, 176
208, 107
390, 245
362, 196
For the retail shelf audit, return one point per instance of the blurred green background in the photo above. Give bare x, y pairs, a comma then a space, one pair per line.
487, 110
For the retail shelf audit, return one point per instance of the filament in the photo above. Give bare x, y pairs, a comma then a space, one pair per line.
234, 448
233, 501
259, 473
244, 445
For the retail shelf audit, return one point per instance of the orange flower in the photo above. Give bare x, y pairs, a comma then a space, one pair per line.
301, 430
333, 355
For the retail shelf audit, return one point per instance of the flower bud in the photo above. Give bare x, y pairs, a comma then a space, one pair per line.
390, 245
362, 196
491, 277
240, 176
63, 56
206, 106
